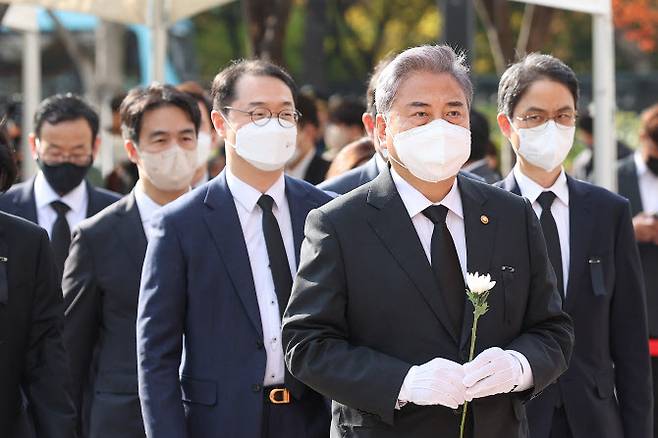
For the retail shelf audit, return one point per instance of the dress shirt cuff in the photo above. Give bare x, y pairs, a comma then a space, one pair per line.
403, 398
526, 381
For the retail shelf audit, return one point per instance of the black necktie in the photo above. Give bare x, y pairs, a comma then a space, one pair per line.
60, 237
276, 252
545, 200
445, 265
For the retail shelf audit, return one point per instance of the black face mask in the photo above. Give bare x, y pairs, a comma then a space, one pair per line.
64, 177
652, 164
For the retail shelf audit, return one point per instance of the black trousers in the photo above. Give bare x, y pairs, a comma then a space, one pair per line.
560, 426
309, 417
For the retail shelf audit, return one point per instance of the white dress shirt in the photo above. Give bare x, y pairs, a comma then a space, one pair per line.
560, 211
648, 183
147, 207
251, 221
415, 202
77, 200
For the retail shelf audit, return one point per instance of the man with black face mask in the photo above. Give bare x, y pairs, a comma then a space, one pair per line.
64, 143
638, 181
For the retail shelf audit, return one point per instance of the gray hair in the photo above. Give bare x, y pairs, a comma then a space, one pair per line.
434, 59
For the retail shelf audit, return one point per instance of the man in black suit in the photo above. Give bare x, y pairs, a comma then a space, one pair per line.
638, 182
378, 319
103, 270
307, 164
64, 144
34, 379
606, 392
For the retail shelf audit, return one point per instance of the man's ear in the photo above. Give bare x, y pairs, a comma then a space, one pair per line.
218, 123
504, 125
368, 123
131, 150
96, 147
32, 140
380, 129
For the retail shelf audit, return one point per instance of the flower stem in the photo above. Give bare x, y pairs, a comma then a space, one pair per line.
470, 358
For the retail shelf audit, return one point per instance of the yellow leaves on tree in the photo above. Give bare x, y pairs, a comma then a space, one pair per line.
638, 22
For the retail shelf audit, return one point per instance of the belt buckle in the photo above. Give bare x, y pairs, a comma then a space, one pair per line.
280, 396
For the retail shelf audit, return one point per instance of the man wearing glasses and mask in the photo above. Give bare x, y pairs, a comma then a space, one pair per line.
606, 391
217, 277
64, 143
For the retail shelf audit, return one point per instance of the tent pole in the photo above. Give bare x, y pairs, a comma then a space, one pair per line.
31, 94
605, 144
158, 26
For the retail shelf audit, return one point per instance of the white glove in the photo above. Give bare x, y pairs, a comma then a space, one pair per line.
438, 382
494, 371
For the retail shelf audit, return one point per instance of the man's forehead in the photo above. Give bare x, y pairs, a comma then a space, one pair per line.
430, 88
256, 89
66, 131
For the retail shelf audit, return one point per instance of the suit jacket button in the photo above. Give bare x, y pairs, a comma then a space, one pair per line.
259, 344
256, 387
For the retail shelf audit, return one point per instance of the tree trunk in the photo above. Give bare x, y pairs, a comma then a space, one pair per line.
266, 27
315, 28
534, 29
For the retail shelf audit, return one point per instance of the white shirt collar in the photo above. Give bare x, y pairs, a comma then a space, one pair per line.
640, 164
247, 196
415, 202
44, 195
147, 207
531, 190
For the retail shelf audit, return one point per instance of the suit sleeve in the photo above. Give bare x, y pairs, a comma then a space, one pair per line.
82, 317
46, 378
547, 338
316, 332
160, 323
629, 335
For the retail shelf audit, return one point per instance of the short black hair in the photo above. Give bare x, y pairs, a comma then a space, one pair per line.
309, 111
346, 110
140, 100
521, 75
8, 169
586, 123
479, 135
197, 93
65, 108
223, 86
115, 103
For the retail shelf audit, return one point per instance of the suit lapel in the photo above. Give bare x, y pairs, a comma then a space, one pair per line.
580, 235
223, 222
299, 203
131, 231
93, 205
391, 222
480, 237
370, 171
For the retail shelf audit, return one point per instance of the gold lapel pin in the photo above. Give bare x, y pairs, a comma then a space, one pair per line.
484, 219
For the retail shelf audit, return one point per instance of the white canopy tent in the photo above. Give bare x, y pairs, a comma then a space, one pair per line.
603, 67
158, 15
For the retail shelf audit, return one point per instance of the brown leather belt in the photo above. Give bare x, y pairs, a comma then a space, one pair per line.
277, 396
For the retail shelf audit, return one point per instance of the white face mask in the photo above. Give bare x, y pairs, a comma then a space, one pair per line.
268, 147
171, 169
545, 146
433, 152
203, 145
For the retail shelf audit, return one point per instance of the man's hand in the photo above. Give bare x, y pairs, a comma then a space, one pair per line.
494, 371
646, 228
438, 382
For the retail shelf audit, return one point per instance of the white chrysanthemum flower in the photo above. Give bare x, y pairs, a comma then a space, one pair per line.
479, 284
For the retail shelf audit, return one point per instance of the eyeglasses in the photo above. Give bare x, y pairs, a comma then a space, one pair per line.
540, 121
55, 158
261, 116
